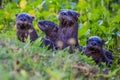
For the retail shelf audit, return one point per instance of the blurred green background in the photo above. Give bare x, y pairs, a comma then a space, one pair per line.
26, 61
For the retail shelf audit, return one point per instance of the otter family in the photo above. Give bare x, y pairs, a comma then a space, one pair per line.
63, 35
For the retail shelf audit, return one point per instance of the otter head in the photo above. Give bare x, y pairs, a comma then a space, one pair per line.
68, 17
95, 43
24, 20
94, 48
48, 27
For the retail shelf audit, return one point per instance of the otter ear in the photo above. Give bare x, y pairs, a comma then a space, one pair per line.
16, 15
60, 10
78, 14
32, 17
103, 41
87, 38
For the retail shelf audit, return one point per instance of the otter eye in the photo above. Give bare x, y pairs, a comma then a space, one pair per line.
29, 18
99, 42
63, 13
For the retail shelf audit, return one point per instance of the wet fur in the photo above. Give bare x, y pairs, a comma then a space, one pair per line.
68, 28
94, 48
50, 29
25, 27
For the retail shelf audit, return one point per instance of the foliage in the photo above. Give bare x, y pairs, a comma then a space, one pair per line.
27, 61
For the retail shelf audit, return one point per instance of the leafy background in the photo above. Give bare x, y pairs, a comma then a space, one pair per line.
27, 61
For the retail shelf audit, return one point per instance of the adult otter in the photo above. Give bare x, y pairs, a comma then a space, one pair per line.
25, 27
94, 48
68, 30
50, 29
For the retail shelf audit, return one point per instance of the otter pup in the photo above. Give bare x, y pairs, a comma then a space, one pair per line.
50, 29
25, 27
68, 30
94, 48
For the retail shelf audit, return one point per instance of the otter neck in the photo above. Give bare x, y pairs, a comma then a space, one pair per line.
51, 37
61, 25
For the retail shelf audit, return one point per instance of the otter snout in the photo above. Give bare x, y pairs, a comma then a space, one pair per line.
93, 43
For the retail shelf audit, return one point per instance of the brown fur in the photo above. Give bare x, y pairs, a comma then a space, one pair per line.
94, 48
68, 29
25, 27
50, 29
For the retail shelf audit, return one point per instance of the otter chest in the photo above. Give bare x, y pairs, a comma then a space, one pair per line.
67, 33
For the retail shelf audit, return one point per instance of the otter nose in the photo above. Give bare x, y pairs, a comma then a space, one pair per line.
93, 43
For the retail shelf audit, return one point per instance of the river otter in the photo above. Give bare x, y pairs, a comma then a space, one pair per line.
68, 30
50, 29
94, 48
25, 27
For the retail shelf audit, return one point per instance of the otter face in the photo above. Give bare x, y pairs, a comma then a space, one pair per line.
94, 48
24, 20
47, 27
68, 17
94, 43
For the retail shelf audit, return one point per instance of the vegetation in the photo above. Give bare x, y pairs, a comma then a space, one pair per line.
28, 61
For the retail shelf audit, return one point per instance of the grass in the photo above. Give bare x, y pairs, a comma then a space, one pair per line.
28, 61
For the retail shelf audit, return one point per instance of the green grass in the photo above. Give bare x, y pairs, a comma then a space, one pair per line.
28, 61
